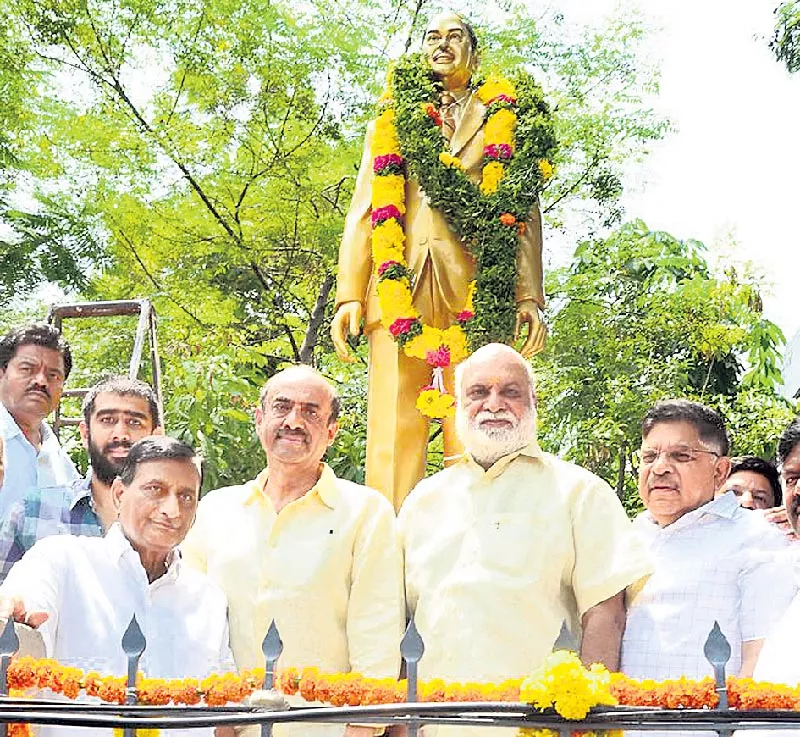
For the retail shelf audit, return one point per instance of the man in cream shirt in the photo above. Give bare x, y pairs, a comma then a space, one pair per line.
317, 554
504, 545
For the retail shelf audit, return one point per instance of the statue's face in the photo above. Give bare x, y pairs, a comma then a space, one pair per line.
449, 49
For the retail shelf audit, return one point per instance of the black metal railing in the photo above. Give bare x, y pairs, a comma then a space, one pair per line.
410, 714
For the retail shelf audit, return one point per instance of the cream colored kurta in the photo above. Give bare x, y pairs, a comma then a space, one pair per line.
497, 559
327, 569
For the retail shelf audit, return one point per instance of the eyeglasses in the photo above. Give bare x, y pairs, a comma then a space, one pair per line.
676, 456
308, 411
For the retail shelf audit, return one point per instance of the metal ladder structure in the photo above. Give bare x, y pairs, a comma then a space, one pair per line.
145, 332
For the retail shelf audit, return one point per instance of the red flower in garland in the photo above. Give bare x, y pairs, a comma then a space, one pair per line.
440, 358
433, 113
402, 325
387, 265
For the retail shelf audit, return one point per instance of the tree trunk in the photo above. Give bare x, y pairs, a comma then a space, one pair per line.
315, 322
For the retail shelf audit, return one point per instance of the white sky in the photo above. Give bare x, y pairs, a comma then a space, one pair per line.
731, 166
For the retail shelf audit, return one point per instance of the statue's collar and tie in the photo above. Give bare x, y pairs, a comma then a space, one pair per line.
451, 108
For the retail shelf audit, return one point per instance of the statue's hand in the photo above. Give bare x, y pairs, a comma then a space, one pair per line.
346, 321
528, 315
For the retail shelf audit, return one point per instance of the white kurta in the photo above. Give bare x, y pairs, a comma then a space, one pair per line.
91, 587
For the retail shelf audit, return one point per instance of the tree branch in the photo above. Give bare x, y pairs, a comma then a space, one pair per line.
315, 322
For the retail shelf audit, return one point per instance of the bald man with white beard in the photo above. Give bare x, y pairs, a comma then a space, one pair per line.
510, 541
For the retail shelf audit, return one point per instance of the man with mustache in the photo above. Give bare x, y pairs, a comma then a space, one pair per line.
35, 361
117, 412
397, 433
316, 553
713, 561
82, 592
508, 543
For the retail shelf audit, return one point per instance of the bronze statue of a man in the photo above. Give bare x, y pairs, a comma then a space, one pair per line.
397, 433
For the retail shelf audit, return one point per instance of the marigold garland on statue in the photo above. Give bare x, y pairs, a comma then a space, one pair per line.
489, 217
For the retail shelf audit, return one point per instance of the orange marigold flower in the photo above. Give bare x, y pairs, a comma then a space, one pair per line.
288, 681
307, 685
508, 219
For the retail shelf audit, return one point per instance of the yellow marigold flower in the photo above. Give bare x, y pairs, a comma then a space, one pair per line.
388, 243
545, 169
384, 138
450, 160
428, 340
432, 403
469, 305
389, 190
534, 691
492, 174
456, 340
562, 682
395, 300
495, 86
500, 128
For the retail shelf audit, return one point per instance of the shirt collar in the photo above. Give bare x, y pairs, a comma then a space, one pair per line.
10, 427
8, 423
725, 507
121, 546
82, 489
325, 489
531, 450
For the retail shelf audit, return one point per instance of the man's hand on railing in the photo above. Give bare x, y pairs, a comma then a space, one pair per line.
14, 607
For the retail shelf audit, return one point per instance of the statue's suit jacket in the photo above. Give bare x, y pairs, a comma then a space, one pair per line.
397, 433
443, 266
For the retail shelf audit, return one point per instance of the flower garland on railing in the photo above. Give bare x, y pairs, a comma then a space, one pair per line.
489, 217
561, 683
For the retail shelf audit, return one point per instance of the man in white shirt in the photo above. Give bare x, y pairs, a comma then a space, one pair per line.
712, 559
779, 661
81, 592
35, 361
117, 412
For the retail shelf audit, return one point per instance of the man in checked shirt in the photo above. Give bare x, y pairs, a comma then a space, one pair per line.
117, 412
712, 559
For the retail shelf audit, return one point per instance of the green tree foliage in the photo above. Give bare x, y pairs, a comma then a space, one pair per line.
785, 43
202, 153
638, 317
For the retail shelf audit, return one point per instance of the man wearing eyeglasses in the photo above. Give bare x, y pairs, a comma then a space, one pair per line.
713, 560
318, 554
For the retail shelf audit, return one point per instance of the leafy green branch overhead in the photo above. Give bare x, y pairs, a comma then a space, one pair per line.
641, 316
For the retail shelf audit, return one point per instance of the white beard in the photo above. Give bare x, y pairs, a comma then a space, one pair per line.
489, 445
